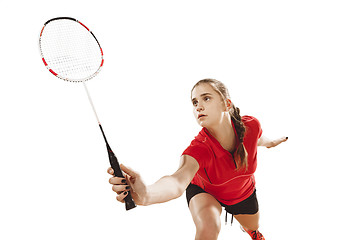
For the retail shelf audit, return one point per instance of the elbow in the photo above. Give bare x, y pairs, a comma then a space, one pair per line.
179, 190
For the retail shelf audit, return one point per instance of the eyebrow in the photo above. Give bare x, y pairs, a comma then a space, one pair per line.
204, 94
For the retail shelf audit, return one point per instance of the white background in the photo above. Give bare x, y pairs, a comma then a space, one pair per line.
292, 64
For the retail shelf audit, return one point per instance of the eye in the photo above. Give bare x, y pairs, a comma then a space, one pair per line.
195, 103
206, 99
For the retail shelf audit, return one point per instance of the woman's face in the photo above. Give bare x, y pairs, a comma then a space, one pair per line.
208, 106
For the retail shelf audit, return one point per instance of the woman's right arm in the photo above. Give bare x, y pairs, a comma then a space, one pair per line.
163, 190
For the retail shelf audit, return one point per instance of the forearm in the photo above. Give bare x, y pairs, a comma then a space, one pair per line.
165, 189
173, 186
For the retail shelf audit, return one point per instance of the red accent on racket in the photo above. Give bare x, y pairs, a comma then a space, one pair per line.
53, 72
42, 30
83, 25
44, 61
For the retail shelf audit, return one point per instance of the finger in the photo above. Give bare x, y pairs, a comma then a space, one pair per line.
128, 171
130, 180
117, 180
110, 171
127, 176
121, 196
278, 141
120, 188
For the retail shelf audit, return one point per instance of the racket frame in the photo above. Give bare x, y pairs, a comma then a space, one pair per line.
59, 75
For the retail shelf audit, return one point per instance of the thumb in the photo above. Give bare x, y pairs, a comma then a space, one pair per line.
128, 170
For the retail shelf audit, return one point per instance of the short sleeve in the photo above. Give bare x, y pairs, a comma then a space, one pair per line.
199, 151
258, 126
254, 124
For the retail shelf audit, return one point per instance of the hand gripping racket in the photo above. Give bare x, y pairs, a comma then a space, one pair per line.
71, 52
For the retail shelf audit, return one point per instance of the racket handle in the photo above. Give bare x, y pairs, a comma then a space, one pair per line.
129, 202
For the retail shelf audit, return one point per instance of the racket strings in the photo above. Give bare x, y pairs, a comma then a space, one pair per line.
70, 50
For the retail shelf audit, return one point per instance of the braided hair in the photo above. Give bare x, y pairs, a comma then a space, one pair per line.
240, 154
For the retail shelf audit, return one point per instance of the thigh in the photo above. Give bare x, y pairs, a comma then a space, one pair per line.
204, 207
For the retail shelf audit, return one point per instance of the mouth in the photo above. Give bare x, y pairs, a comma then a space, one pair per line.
201, 115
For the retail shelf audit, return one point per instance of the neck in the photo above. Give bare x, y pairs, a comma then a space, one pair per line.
224, 134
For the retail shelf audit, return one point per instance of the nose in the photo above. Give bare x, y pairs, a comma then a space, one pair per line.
199, 108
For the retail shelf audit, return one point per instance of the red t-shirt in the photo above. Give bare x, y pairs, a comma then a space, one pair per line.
217, 174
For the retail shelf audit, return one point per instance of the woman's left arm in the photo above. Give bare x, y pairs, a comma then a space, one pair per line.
266, 142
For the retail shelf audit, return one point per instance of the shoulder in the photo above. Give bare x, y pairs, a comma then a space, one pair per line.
252, 124
199, 149
250, 120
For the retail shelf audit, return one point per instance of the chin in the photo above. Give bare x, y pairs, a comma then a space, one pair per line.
203, 124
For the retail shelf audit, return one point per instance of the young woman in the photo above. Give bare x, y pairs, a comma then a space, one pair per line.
216, 170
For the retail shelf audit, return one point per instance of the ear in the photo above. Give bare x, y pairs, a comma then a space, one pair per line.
228, 104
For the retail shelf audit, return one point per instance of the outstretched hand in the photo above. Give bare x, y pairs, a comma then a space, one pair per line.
276, 142
132, 182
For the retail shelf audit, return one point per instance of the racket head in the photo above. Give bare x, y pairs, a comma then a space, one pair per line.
69, 50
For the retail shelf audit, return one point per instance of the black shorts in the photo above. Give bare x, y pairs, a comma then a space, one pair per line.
247, 206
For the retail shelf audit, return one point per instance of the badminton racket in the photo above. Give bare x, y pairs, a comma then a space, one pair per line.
71, 52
